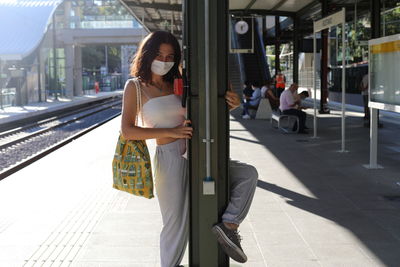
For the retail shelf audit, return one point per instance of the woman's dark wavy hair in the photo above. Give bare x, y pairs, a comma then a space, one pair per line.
147, 52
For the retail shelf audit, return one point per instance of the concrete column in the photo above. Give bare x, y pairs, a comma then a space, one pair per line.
78, 90
69, 70
39, 72
127, 52
67, 12
42, 77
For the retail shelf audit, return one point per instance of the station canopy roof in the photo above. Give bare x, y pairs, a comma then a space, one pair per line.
23, 25
167, 14
157, 14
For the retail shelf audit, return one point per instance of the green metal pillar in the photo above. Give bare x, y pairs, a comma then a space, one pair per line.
277, 44
296, 40
205, 50
324, 61
375, 7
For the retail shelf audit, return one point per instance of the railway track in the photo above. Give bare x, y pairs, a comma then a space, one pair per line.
21, 146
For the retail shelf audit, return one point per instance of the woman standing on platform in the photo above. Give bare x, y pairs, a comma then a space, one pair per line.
155, 66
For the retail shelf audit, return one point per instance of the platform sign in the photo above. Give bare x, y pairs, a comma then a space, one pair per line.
339, 18
384, 74
330, 21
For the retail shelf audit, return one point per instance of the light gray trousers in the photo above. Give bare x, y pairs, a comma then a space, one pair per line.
172, 188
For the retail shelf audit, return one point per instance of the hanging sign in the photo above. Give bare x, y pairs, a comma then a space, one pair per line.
329, 21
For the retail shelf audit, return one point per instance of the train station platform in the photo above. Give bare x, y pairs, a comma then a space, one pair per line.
14, 113
313, 206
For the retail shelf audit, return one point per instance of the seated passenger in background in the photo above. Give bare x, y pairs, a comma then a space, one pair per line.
303, 95
247, 91
288, 107
267, 91
253, 101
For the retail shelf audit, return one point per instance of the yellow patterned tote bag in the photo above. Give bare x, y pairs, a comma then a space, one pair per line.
131, 165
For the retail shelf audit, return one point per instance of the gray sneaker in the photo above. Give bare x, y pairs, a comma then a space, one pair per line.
230, 242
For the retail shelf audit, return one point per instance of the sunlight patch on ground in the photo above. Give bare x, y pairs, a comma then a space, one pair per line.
244, 145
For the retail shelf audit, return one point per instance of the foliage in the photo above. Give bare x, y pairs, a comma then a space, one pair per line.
100, 8
93, 57
391, 21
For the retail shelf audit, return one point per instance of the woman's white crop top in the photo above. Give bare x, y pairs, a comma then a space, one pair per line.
163, 112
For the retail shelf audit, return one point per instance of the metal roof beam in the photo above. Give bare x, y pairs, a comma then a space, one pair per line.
261, 12
159, 6
176, 32
176, 22
305, 10
124, 3
250, 4
279, 4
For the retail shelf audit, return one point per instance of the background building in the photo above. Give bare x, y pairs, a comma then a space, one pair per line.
58, 48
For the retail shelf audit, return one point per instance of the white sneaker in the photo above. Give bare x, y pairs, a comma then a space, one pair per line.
246, 117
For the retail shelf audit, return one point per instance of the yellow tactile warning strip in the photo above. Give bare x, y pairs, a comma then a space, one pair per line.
388, 47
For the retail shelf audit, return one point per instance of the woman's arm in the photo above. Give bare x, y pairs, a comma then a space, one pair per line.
271, 95
232, 99
131, 132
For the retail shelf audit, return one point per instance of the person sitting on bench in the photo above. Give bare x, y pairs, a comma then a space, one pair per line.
253, 101
288, 107
303, 95
267, 91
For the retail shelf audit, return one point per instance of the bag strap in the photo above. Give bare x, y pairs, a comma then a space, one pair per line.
139, 104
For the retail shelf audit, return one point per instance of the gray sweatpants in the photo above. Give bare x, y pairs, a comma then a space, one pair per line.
172, 188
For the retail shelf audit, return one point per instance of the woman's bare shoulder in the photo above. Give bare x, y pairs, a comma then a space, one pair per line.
130, 90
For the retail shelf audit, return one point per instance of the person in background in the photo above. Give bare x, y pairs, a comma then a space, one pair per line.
364, 92
265, 88
303, 95
253, 101
268, 92
280, 81
288, 107
247, 91
364, 88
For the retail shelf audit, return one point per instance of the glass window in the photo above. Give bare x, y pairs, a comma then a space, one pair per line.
95, 14
390, 17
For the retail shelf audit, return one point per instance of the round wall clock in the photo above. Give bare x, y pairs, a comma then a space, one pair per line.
241, 27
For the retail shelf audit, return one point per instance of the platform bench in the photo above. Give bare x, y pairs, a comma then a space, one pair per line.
252, 111
285, 122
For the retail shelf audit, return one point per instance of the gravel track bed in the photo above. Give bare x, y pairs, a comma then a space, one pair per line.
19, 152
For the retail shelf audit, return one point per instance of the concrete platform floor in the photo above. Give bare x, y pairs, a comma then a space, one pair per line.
313, 206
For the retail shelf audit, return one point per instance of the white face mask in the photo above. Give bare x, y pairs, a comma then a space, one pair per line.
160, 67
